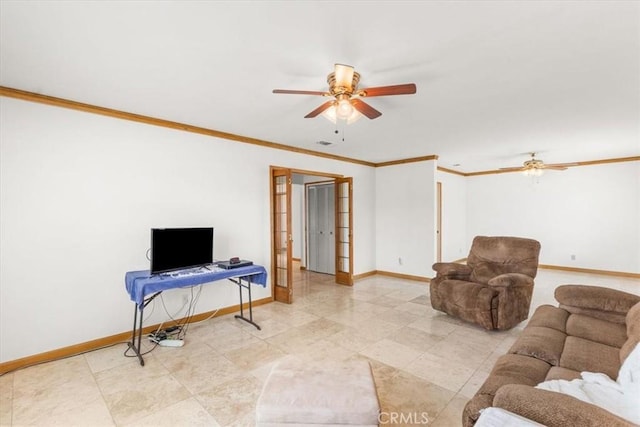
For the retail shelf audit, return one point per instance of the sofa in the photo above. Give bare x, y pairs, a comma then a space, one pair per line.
494, 288
593, 329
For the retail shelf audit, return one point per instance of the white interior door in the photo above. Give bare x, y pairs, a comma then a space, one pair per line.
321, 228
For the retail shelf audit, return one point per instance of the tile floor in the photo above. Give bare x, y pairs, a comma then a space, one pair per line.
425, 363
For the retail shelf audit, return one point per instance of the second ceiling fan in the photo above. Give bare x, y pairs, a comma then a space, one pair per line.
347, 102
536, 167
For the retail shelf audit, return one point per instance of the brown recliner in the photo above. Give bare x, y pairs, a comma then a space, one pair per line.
494, 288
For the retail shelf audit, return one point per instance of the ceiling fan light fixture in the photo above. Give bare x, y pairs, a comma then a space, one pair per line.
333, 114
344, 109
533, 172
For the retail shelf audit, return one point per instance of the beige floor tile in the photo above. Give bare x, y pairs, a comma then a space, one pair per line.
391, 353
6, 399
62, 393
440, 371
434, 326
202, 371
188, 412
471, 387
108, 358
375, 329
416, 339
233, 402
452, 414
254, 355
408, 400
133, 392
459, 350
351, 339
322, 350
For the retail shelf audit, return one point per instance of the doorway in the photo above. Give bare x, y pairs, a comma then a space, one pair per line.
282, 232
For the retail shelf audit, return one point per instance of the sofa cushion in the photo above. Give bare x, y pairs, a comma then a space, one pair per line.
551, 317
560, 373
633, 332
584, 355
613, 334
540, 342
602, 303
514, 369
492, 256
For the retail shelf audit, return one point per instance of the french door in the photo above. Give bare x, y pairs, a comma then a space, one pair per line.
282, 241
282, 262
344, 230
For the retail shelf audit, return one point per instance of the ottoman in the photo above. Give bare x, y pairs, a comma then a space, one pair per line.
310, 393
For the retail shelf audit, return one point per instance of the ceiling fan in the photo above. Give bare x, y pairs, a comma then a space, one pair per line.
536, 167
347, 100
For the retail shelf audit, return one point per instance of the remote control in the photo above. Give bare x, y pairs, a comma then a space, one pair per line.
171, 343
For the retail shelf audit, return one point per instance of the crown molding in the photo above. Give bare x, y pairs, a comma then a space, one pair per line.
88, 108
123, 115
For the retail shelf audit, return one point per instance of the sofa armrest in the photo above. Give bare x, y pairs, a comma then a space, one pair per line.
553, 409
452, 270
510, 280
604, 303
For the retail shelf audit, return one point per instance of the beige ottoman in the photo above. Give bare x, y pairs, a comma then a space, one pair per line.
310, 393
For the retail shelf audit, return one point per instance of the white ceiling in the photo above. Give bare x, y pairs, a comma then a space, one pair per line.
496, 79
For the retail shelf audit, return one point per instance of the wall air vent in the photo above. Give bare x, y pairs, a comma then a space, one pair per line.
325, 143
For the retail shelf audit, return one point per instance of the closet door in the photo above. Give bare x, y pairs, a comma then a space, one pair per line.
321, 228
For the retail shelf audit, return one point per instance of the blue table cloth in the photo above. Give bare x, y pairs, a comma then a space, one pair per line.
140, 283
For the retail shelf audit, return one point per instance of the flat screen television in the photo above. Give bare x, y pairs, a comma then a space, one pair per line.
180, 248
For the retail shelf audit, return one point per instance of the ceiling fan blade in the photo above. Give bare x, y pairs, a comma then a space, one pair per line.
344, 75
562, 165
319, 110
405, 89
555, 167
512, 169
301, 92
365, 109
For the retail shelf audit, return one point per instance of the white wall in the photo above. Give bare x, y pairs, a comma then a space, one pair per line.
592, 212
406, 218
454, 216
79, 193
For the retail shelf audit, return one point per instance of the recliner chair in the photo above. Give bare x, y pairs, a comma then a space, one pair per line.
494, 288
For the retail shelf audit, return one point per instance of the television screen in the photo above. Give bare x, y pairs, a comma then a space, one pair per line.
179, 248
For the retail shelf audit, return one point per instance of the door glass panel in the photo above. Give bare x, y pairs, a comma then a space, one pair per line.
343, 227
281, 237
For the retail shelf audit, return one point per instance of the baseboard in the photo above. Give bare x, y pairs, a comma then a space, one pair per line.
580, 270
123, 337
363, 275
403, 276
591, 271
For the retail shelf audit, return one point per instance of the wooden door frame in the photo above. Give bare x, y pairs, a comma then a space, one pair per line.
439, 222
293, 171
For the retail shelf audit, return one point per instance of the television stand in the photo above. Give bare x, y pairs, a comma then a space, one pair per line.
144, 288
